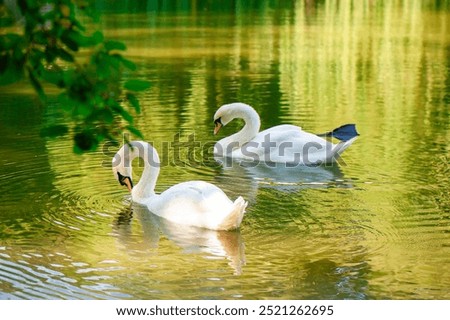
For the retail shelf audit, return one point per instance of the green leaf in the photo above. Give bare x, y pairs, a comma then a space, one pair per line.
137, 85
9, 41
40, 37
35, 56
6, 21
66, 102
74, 39
78, 24
135, 131
97, 37
103, 115
134, 102
83, 109
112, 61
54, 131
115, 45
128, 64
84, 141
69, 77
70, 40
3, 62
117, 108
53, 76
50, 54
10, 72
124, 113
65, 55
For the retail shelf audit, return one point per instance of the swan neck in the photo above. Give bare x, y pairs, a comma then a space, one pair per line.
251, 127
145, 188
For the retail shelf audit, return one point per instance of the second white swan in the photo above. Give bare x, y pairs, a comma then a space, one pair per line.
194, 203
283, 143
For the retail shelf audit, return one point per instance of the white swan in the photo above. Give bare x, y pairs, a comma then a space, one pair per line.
282, 143
194, 203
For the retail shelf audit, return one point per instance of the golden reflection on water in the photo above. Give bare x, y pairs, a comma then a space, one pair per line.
374, 227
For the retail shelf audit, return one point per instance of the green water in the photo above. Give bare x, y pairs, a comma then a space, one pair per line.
375, 226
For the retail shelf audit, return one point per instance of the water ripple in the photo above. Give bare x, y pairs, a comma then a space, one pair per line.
28, 281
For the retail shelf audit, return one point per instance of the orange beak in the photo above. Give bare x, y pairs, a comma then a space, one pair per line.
127, 182
217, 127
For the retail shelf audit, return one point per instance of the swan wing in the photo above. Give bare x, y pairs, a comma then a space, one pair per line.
286, 143
198, 203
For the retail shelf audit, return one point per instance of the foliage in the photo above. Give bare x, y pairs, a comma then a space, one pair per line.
55, 48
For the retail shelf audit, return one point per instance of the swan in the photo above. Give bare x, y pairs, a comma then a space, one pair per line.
193, 203
283, 143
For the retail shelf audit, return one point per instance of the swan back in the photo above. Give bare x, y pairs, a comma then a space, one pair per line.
199, 204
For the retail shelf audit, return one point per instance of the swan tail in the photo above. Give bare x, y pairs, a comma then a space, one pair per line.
234, 218
344, 133
339, 148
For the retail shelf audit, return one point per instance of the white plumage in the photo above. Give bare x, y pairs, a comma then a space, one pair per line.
283, 143
195, 203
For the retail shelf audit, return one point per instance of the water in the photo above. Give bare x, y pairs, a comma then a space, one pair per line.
375, 226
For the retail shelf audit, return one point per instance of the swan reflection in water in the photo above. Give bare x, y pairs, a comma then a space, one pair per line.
193, 240
279, 176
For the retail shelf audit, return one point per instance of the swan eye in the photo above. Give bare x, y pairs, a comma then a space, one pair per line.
218, 121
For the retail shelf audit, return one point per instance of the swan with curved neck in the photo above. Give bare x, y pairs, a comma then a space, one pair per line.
194, 203
282, 143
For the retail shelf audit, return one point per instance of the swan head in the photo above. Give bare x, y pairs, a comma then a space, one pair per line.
121, 166
124, 180
231, 111
121, 162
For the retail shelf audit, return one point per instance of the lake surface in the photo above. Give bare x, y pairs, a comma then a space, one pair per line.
374, 226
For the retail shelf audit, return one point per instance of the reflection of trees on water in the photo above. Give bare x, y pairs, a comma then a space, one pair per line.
25, 167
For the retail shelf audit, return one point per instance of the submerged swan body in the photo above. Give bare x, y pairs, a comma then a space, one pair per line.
193, 203
282, 143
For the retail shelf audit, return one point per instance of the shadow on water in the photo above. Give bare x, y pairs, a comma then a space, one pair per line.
192, 240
